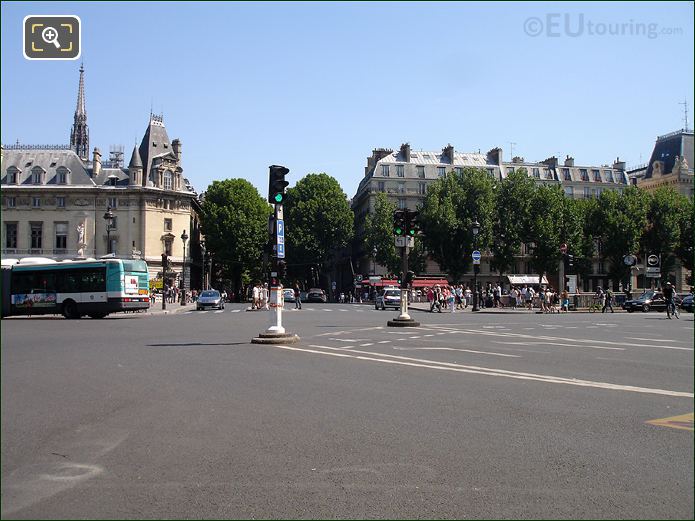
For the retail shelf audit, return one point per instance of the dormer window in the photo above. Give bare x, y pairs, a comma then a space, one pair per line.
63, 175
12, 175
37, 175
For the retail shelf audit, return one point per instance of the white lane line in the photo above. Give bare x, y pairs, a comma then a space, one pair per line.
651, 339
310, 309
443, 366
236, 310
428, 335
343, 339
454, 349
413, 337
219, 311
324, 309
399, 332
332, 333
384, 342
557, 344
187, 312
366, 345
341, 309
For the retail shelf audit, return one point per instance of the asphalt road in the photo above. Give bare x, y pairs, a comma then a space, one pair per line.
469, 416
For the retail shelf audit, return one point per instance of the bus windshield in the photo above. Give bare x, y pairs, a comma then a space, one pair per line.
132, 266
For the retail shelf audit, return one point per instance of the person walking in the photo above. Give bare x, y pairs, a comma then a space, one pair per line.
565, 297
608, 301
297, 296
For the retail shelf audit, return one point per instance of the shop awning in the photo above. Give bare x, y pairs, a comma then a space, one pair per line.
525, 279
428, 283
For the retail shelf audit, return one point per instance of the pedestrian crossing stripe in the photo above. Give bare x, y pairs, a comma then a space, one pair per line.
684, 422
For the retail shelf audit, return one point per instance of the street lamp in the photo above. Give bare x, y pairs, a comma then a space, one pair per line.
374, 252
476, 230
108, 217
203, 253
184, 238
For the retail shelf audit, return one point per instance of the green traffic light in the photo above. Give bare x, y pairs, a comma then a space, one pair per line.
399, 231
278, 198
412, 232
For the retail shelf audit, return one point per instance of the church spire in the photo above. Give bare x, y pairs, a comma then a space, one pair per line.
79, 135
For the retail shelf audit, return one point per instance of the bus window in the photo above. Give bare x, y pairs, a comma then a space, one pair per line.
94, 280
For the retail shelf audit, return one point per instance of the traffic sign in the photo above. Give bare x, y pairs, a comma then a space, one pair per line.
653, 260
629, 260
563, 248
280, 233
476, 255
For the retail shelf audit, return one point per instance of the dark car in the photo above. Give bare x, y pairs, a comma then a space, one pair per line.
687, 303
316, 295
650, 300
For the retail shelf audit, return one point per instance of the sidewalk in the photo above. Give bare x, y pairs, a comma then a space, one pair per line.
425, 307
175, 307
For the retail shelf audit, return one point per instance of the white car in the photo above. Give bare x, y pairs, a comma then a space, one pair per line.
210, 299
390, 298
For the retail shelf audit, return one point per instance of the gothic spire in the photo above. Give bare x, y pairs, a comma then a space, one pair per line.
79, 135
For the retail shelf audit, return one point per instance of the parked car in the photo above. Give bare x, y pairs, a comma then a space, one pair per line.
650, 300
390, 298
288, 295
210, 299
316, 295
687, 303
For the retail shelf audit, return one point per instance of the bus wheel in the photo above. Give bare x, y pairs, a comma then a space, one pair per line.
70, 309
98, 315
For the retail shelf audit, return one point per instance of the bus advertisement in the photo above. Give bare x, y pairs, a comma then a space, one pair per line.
74, 289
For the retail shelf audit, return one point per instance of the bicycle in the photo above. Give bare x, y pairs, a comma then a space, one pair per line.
672, 309
595, 305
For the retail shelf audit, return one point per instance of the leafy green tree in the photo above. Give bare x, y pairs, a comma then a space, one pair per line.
583, 247
684, 248
234, 220
452, 204
547, 229
513, 211
319, 222
378, 233
621, 219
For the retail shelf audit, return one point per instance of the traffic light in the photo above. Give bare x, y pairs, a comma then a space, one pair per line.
282, 269
277, 184
412, 226
165, 263
400, 278
409, 277
399, 223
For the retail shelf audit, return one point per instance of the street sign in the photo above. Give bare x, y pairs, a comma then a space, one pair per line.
476, 257
563, 248
653, 260
400, 242
280, 231
653, 274
629, 260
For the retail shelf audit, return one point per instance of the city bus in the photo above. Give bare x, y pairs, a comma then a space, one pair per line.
75, 288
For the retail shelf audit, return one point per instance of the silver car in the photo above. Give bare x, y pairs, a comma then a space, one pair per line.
210, 299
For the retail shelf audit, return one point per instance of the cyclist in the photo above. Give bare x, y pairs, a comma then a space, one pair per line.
670, 298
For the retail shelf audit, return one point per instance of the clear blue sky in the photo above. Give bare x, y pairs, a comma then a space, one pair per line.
317, 86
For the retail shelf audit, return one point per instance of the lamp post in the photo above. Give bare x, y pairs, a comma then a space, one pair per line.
475, 229
203, 253
374, 252
184, 238
108, 217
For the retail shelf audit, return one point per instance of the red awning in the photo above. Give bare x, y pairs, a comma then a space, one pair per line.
428, 283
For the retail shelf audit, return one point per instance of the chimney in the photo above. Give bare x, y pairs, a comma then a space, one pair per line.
618, 164
448, 151
551, 162
405, 152
569, 161
176, 147
96, 162
494, 156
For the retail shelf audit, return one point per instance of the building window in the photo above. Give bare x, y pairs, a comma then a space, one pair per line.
569, 191
441, 171
36, 176
167, 246
36, 235
36, 202
587, 192
385, 170
62, 178
421, 171
566, 174
491, 172
459, 170
597, 175
113, 202
584, 174
167, 225
401, 204
401, 188
601, 267
510, 170
609, 175
12, 177
114, 223
422, 188
10, 235
381, 186
60, 201
400, 170
61, 237
536, 173
11, 202
548, 173
168, 180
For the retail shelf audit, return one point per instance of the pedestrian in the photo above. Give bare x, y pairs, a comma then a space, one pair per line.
608, 301
565, 296
265, 294
297, 296
530, 293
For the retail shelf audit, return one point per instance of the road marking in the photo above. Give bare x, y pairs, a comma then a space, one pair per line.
384, 342
187, 312
236, 310
332, 333
428, 335
453, 349
413, 337
684, 422
445, 366
326, 309
557, 344
366, 345
651, 339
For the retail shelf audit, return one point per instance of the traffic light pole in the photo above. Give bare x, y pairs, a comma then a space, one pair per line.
275, 300
404, 284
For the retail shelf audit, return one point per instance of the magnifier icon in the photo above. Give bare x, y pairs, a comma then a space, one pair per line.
50, 35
